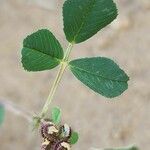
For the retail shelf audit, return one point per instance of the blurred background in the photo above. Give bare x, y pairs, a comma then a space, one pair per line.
101, 122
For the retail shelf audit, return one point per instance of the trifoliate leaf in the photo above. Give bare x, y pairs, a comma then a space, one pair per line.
101, 75
41, 51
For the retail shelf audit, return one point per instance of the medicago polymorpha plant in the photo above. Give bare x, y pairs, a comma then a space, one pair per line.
42, 51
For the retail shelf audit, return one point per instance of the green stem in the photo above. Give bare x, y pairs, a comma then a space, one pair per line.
57, 81
68, 51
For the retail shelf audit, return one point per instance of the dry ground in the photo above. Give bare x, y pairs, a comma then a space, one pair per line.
100, 122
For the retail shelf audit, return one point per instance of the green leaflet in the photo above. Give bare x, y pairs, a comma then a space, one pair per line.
84, 18
101, 75
2, 113
56, 115
41, 51
74, 138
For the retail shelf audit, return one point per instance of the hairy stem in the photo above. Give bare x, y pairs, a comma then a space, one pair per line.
57, 80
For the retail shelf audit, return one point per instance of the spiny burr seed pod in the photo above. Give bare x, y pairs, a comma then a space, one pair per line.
61, 145
49, 131
65, 131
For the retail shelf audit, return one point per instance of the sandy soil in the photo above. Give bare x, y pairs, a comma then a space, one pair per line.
101, 122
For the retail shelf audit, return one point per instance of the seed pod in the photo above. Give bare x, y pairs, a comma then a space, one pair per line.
49, 131
61, 145
65, 131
